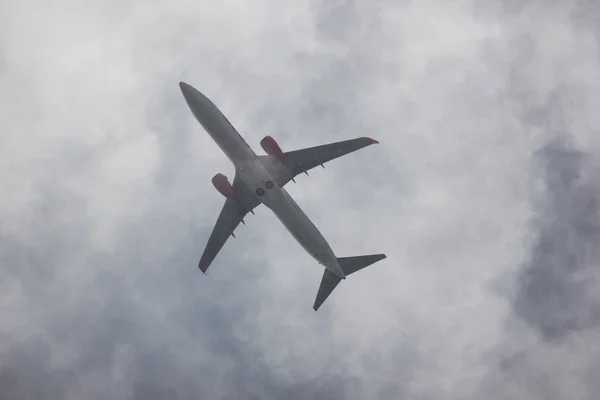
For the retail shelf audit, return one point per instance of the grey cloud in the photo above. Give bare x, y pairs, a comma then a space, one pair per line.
107, 200
559, 292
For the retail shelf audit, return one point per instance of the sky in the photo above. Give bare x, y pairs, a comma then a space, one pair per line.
484, 193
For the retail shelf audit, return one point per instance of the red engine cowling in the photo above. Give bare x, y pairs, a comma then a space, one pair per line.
221, 183
271, 147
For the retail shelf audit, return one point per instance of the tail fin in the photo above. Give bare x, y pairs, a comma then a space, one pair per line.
349, 265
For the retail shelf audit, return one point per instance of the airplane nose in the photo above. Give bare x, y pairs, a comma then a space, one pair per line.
186, 89
198, 103
193, 98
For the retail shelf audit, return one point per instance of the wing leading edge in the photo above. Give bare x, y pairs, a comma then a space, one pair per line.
292, 163
233, 212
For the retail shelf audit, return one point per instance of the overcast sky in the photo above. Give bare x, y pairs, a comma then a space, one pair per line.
484, 194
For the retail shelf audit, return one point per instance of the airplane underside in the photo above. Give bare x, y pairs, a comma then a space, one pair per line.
261, 180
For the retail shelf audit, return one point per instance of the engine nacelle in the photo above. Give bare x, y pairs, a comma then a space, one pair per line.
221, 183
271, 147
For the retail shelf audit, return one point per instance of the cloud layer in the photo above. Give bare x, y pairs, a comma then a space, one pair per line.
483, 193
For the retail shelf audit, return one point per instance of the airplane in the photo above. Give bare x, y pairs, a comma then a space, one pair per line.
260, 179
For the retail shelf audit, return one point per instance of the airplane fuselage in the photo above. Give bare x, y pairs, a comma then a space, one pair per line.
254, 175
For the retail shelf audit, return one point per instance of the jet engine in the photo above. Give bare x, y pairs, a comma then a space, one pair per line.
271, 147
221, 183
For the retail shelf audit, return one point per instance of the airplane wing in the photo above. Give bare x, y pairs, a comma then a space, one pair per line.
292, 163
233, 212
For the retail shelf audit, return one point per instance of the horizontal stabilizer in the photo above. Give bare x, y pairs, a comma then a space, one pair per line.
349, 265
352, 264
328, 283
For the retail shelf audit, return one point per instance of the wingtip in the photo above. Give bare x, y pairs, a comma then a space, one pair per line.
371, 140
